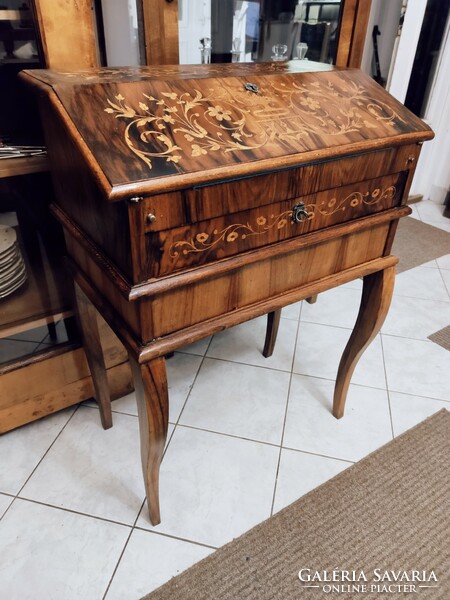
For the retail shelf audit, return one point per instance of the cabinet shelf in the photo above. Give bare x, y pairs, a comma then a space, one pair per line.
13, 167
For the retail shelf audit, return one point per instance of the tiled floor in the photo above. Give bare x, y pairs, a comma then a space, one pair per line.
248, 436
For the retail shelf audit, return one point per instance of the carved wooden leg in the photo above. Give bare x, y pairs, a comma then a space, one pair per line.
273, 322
312, 299
152, 396
94, 354
375, 301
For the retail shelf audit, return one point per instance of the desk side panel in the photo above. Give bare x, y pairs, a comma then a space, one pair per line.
80, 197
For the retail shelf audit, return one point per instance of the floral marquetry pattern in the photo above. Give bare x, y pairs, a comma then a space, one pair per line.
238, 231
204, 241
355, 199
177, 127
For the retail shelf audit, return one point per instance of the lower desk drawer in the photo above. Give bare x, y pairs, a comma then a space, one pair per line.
207, 241
164, 313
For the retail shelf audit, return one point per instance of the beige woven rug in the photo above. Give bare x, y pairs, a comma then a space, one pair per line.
379, 520
442, 337
416, 243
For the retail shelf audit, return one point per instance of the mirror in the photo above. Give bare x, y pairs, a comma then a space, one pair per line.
258, 30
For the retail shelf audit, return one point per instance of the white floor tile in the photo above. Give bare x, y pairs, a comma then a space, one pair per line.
311, 427
415, 212
408, 410
149, 561
337, 307
61, 334
319, 351
430, 211
31, 335
421, 282
198, 348
292, 311
91, 470
299, 473
443, 262
446, 277
5, 502
356, 284
244, 344
214, 487
181, 372
416, 318
55, 554
240, 400
10, 349
22, 449
416, 367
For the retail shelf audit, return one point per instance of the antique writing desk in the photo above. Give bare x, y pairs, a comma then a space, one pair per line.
196, 198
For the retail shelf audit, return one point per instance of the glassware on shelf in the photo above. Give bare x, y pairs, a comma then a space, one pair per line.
205, 50
279, 52
236, 52
301, 50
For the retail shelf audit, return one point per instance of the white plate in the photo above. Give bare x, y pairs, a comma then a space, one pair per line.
14, 267
13, 288
13, 279
14, 250
8, 237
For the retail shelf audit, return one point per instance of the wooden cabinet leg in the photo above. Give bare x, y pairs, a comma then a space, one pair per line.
94, 354
150, 380
312, 299
273, 322
375, 302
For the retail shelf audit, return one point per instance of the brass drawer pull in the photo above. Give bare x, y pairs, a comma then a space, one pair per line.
151, 218
299, 213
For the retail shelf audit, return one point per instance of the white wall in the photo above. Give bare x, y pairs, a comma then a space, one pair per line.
385, 14
121, 32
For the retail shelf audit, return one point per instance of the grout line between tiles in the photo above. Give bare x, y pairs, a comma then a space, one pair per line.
123, 551
178, 538
9, 505
72, 511
134, 526
387, 389
48, 450
285, 413
345, 460
238, 362
230, 435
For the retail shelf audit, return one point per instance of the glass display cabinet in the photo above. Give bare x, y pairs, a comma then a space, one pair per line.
42, 362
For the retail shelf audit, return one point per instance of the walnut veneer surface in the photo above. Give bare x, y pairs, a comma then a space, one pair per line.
195, 198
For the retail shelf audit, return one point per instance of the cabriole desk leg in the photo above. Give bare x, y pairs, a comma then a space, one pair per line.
150, 381
273, 322
87, 316
375, 302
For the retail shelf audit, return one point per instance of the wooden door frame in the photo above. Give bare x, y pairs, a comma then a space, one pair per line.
160, 24
67, 33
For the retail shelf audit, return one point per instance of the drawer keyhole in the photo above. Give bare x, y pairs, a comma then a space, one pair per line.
299, 213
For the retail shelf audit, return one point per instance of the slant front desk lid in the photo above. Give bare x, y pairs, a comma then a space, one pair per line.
153, 129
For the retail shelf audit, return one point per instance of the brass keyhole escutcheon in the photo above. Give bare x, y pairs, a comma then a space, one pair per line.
251, 87
299, 213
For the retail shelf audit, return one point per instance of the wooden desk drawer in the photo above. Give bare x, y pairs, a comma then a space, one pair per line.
212, 201
210, 240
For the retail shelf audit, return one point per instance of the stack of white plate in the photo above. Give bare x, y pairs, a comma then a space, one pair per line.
12, 267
